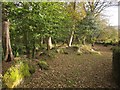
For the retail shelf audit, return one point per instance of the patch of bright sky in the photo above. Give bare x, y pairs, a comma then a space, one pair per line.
111, 14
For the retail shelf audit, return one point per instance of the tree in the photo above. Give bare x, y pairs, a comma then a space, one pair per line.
55, 21
7, 50
96, 6
89, 25
77, 13
8, 55
37, 22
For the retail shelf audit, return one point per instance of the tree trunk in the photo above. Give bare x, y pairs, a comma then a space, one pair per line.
27, 44
71, 39
33, 50
8, 55
84, 40
49, 43
72, 33
41, 41
93, 44
119, 37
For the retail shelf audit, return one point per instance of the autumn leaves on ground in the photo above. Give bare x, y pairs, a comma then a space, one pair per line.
57, 44
72, 70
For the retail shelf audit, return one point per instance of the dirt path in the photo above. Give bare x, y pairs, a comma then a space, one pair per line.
71, 70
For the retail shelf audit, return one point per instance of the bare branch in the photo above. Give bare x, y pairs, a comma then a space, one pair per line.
96, 4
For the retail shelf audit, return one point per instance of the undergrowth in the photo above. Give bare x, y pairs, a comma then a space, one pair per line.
43, 65
16, 73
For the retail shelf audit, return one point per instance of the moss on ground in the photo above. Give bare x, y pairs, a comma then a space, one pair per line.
16, 73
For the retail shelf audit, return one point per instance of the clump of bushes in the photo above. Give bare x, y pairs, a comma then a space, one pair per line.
31, 69
50, 54
116, 64
16, 74
43, 65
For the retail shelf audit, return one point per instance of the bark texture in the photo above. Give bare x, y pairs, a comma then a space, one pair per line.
49, 43
7, 50
71, 39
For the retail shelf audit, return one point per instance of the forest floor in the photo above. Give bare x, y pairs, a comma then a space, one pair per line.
75, 71
71, 70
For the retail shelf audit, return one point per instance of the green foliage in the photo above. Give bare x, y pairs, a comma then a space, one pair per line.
108, 35
116, 64
51, 54
116, 49
43, 65
88, 28
16, 73
24, 68
43, 46
31, 23
31, 69
11, 76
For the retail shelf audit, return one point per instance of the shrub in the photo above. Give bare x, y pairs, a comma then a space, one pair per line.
116, 64
31, 69
43, 65
50, 54
12, 77
16, 74
24, 69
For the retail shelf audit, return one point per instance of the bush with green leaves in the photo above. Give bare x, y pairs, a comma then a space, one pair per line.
31, 69
50, 54
43, 65
116, 64
15, 74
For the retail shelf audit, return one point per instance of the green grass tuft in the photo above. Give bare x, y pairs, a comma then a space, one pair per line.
43, 65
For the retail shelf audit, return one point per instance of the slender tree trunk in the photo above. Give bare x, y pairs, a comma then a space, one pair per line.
93, 44
27, 52
8, 55
49, 43
119, 37
27, 44
71, 39
84, 40
72, 33
41, 41
33, 50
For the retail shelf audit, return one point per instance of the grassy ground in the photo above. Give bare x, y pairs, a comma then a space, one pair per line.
72, 70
